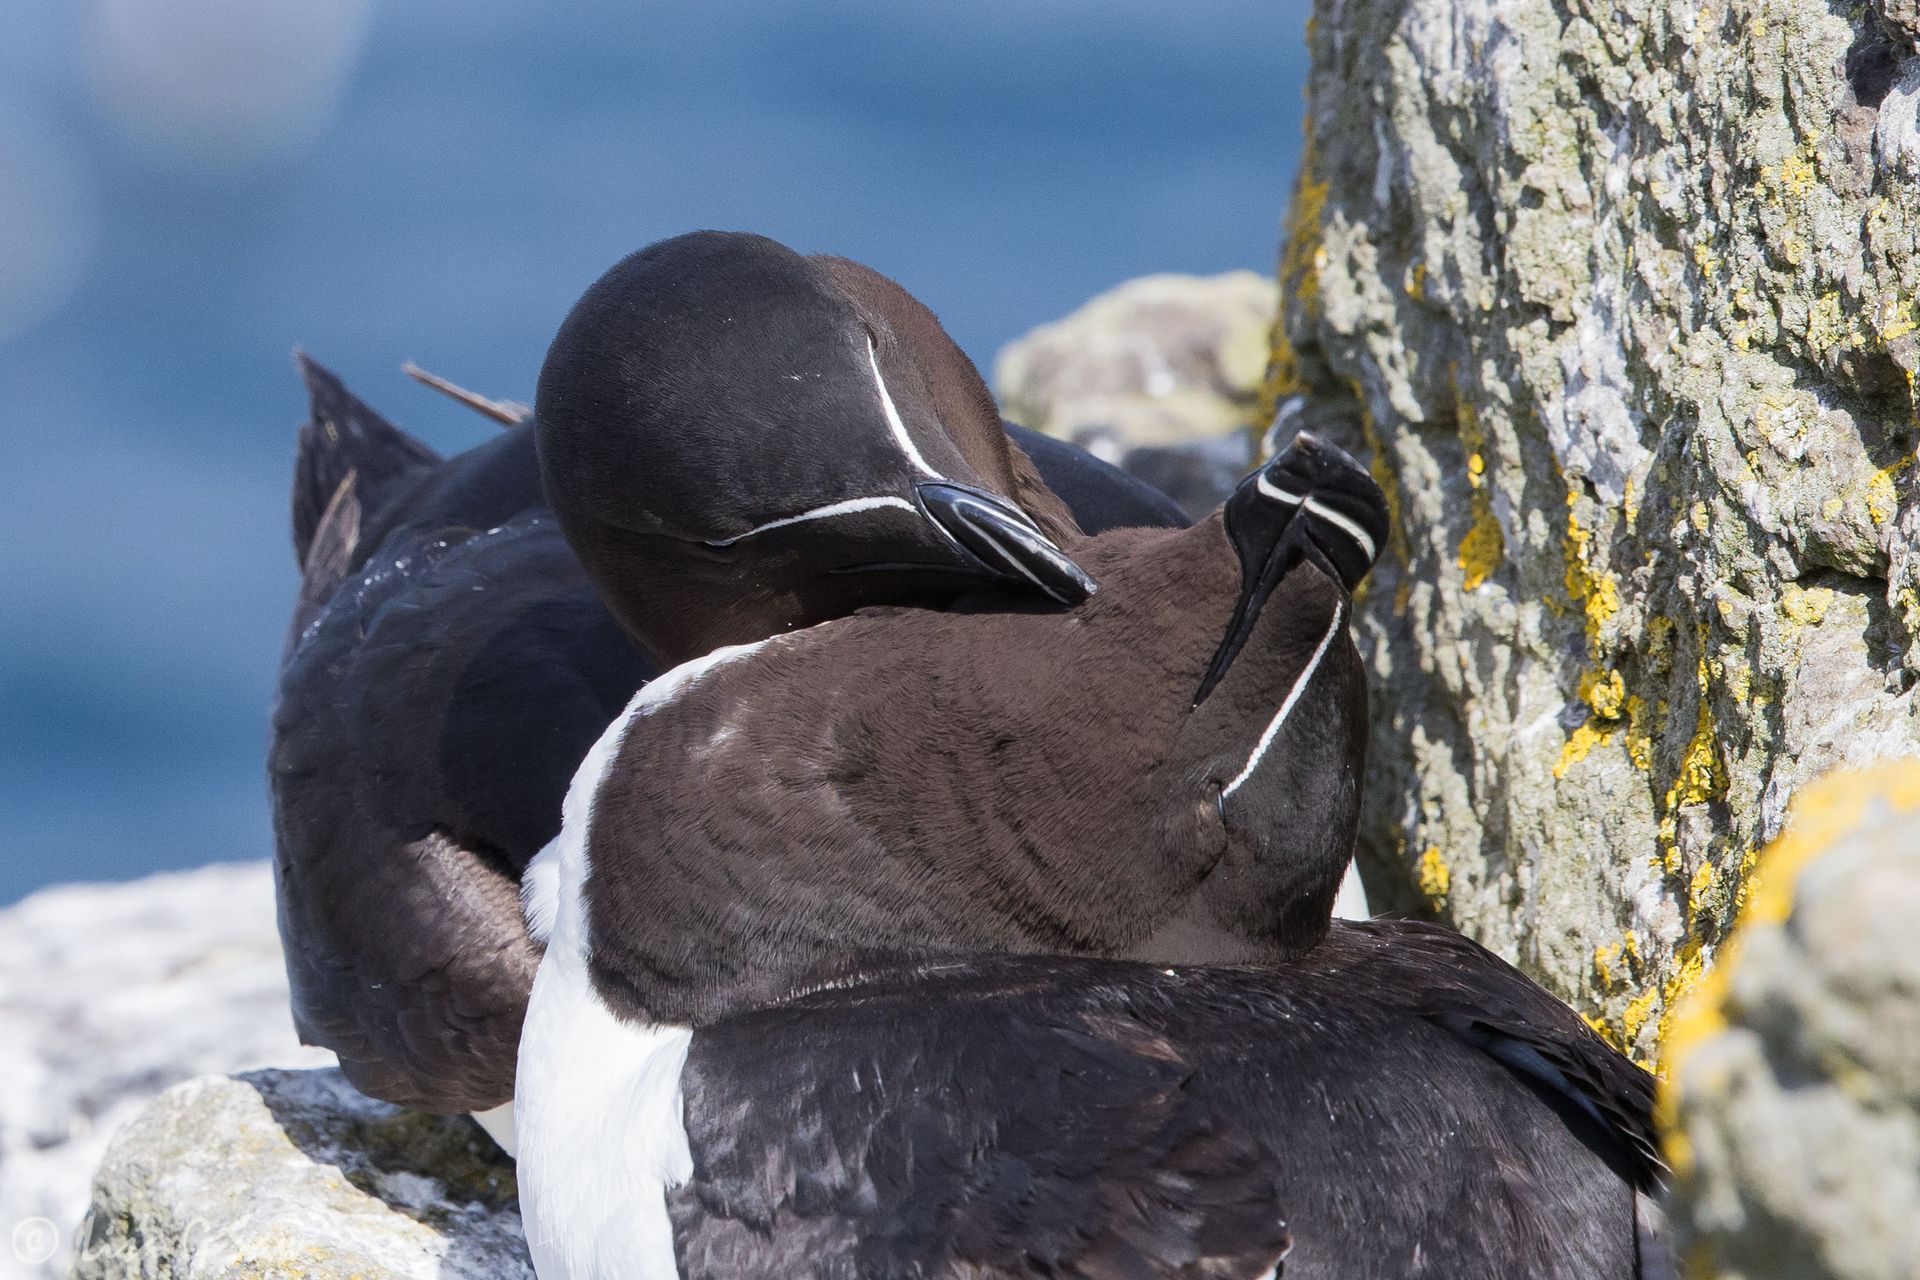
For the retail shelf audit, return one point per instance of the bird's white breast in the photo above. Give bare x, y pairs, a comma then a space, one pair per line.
602, 1133
597, 1102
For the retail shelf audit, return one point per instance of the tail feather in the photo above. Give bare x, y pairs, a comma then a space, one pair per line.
343, 438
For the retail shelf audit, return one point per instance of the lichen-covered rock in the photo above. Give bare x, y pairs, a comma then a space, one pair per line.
1624, 300
1156, 361
108, 995
1792, 1106
296, 1174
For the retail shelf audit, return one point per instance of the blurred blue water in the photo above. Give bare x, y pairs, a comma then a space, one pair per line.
1005, 160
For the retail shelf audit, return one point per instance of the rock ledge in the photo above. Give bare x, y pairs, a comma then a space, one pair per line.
294, 1173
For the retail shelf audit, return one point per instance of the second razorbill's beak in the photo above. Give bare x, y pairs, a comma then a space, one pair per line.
1002, 541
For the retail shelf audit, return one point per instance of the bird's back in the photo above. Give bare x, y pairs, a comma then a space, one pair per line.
447, 666
1389, 1145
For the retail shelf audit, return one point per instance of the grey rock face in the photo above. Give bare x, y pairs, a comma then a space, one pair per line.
1151, 375
1624, 299
294, 1173
108, 995
1793, 1111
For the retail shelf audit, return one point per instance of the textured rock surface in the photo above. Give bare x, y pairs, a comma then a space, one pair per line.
1793, 1104
1146, 368
294, 1173
108, 995
1624, 299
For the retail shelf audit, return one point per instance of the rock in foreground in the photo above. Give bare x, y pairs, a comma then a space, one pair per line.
1793, 1110
108, 995
296, 1174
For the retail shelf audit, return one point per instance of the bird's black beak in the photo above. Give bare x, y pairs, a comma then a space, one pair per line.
1000, 539
1312, 503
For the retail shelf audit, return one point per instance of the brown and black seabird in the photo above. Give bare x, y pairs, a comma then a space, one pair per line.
807, 1006
450, 661
1170, 770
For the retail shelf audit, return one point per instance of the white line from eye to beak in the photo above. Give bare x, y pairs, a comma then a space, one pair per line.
843, 508
1286, 708
894, 424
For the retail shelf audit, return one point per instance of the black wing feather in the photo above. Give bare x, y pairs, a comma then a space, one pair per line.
1030, 1116
429, 719
986, 1140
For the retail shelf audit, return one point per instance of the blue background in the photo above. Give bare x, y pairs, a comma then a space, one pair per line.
440, 189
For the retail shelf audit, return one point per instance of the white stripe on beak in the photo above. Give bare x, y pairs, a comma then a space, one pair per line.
1275, 492
1339, 521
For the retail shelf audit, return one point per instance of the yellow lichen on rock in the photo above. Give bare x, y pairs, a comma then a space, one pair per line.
1700, 777
1300, 261
1625, 953
1639, 740
1282, 377
1639, 1010
1435, 877
1299, 273
1896, 316
1700, 890
1790, 180
1823, 814
1596, 592
1604, 957
1805, 605
1592, 587
1882, 501
1691, 966
1484, 548
1579, 745
1659, 646
1605, 692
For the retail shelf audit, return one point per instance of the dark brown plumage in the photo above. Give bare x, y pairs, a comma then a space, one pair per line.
870, 865
449, 662
904, 783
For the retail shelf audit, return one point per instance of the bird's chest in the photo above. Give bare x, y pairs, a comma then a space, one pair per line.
603, 1133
